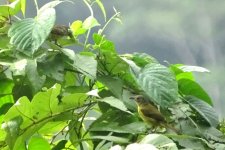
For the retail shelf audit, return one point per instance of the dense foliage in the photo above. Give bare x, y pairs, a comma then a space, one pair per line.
53, 97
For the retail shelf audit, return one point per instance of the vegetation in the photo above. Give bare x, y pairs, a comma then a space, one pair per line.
53, 97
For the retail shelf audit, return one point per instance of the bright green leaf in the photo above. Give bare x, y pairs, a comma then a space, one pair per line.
90, 22
189, 87
77, 28
10, 9
38, 143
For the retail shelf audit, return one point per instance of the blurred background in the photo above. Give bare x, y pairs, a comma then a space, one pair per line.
189, 32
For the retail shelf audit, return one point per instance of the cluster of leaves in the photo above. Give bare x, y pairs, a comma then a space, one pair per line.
52, 97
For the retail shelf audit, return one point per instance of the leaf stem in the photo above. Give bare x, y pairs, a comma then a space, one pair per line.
36, 5
89, 30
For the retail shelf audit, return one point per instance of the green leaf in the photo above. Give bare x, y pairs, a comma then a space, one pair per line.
12, 128
112, 138
204, 110
24, 33
53, 67
186, 68
38, 143
140, 146
45, 103
114, 102
190, 142
122, 123
159, 84
115, 85
90, 22
160, 141
23, 6
101, 6
10, 9
6, 87
73, 100
142, 59
77, 28
189, 87
4, 41
60, 145
34, 78
86, 64
50, 5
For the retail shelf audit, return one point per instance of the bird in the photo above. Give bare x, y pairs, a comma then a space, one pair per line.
60, 31
150, 114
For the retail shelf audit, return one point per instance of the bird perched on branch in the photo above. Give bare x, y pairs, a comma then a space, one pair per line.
150, 114
60, 31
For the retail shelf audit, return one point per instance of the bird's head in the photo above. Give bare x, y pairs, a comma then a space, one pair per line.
139, 99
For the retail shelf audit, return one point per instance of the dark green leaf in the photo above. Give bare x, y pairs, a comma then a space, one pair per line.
86, 64
159, 84
114, 102
34, 78
115, 85
204, 110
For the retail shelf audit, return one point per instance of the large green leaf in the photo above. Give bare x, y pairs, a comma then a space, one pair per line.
159, 84
24, 33
160, 141
115, 85
114, 102
190, 87
86, 64
53, 67
38, 143
204, 110
119, 122
28, 117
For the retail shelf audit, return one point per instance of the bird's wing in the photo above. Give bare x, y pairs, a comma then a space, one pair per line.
152, 113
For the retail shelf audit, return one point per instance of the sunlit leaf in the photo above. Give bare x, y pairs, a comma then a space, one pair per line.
38, 143
10, 9
90, 22
193, 69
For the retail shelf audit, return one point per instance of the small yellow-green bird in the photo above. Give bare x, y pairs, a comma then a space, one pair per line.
150, 114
